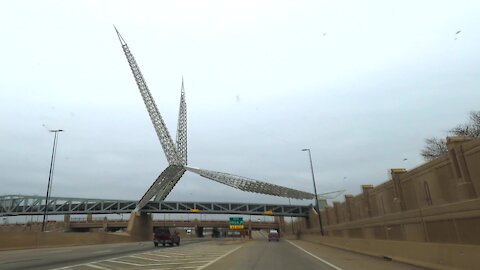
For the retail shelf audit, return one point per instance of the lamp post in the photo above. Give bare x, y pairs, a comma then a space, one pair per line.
50, 175
315, 190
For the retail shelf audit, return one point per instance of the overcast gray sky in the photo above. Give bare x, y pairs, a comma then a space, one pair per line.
361, 83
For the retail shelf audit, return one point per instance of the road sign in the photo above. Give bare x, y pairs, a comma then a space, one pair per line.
236, 223
268, 212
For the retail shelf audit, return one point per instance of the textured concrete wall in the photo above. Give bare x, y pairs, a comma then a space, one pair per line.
437, 202
429, 255
24, 240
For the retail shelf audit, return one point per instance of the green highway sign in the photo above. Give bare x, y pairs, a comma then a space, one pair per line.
236, 223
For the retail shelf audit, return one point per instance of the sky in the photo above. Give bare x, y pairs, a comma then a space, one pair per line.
360, 83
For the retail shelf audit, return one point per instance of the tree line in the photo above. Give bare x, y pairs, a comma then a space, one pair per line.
435, 147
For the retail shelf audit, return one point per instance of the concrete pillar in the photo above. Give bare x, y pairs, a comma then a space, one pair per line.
348, 207
250, 229
105, 223
89, 217
66, 220
328, 219
336, 211
367, 210
140, 226
465, 189
312, 221
280, 220
399, 199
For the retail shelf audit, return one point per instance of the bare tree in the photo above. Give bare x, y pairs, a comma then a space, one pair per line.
436, 147
471, 129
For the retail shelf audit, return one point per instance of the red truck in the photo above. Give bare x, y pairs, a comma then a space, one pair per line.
166, 236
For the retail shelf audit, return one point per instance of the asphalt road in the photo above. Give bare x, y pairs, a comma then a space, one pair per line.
50, 258
206, 254
296, 254
266, 255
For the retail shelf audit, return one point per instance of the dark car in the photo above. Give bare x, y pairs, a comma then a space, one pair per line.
273, 236
166, 236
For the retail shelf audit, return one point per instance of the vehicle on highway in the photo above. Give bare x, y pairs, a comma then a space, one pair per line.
165, 236
273, 236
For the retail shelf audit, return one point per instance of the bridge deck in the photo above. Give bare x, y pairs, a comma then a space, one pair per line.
14, 205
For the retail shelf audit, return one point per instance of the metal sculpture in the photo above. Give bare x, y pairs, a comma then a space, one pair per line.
176, 154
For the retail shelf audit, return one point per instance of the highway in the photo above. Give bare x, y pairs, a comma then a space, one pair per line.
207, 254
50, 258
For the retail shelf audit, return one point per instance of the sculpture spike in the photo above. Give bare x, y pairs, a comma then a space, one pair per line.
166, 141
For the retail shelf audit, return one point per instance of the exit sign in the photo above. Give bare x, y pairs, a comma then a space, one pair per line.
236, 223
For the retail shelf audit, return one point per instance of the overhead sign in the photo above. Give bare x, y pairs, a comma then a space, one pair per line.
236, 223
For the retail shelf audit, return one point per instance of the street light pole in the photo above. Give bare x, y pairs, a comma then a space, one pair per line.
315, 190
50, 175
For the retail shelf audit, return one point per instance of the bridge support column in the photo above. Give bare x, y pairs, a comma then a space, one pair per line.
140, 226
281, 223
312, 221
250, 229
66, 221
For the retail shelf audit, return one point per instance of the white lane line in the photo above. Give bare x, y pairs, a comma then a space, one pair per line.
102, 251
155, 264
96, 266
122, 262
175, 268
316, 257
59, 251
217, 259
176, 259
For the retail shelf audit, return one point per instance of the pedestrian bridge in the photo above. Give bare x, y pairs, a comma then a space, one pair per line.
15, 205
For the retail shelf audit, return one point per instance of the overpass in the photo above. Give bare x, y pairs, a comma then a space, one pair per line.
111, 225
16, 205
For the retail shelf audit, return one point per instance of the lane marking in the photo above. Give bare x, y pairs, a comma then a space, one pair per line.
176, 268
176, 259
154, 264
96, 266
316, 257
59, 251
102, 251
219, 258
122, 262
209, 246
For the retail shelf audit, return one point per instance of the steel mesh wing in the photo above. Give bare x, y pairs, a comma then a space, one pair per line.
331, 194
251, 185
161, 129
162, 186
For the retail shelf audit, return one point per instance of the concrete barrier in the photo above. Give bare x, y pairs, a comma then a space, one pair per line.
428, 255
26, 240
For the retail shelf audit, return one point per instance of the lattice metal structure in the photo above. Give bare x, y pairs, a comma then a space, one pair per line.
182, 127
251, 185
177, 154
17, 205
162, 132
